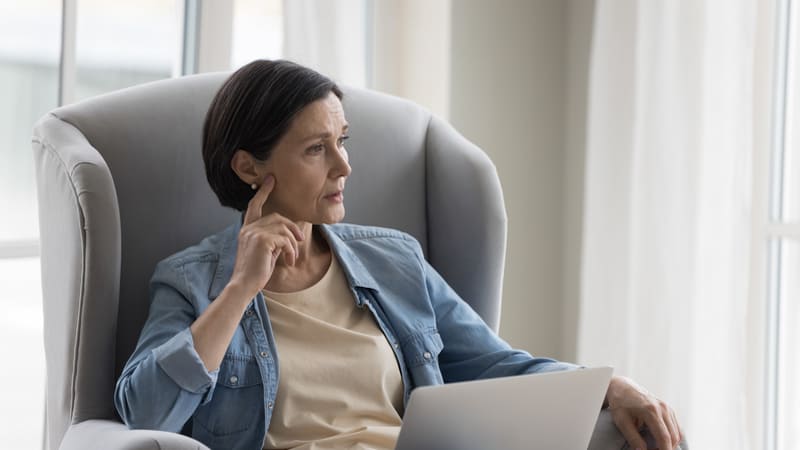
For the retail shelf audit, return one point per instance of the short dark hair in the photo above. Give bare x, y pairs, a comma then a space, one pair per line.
252, 111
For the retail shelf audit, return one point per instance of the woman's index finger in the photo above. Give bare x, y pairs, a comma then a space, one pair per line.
256, 204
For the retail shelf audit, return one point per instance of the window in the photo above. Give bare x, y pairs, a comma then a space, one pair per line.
789, 345
23, 377
257, 31
121, 44
106, 46
29, 48
29, 51
782, 428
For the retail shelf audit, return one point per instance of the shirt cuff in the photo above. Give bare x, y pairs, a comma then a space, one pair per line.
179, 360
555, 366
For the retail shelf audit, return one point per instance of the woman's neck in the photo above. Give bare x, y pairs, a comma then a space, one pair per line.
308, 248
311, 263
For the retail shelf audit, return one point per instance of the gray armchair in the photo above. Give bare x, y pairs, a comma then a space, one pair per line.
121, 186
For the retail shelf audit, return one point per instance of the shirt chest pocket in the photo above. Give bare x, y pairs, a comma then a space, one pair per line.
238, 372
421, 351
236, 404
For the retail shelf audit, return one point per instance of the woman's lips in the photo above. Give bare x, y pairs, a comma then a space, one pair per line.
336, 197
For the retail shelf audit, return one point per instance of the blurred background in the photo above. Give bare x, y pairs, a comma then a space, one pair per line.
648, 153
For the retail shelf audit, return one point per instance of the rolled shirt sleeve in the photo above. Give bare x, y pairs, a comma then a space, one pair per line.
162, 389
179, 360
164, 381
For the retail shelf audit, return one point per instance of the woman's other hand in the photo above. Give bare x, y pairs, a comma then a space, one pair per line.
262, 240
632, 407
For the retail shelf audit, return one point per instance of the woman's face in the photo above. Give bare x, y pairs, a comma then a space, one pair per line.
310, 165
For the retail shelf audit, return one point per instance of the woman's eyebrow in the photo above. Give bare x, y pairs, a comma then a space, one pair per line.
323, 134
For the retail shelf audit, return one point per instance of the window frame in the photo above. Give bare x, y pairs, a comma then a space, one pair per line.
774, 230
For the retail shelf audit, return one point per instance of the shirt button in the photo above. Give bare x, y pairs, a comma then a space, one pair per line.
263, 354
269, 405
427, 355
249, 312
234, 379
396, 345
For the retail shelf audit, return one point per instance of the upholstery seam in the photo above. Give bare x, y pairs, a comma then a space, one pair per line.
426, 250
48, 147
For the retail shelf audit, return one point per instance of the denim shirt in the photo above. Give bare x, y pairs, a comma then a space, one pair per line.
436, 337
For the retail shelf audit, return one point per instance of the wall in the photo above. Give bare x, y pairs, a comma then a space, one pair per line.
411, 42
517, 90
508, 97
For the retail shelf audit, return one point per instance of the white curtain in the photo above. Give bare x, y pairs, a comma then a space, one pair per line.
667, 222
329, 36
401, 47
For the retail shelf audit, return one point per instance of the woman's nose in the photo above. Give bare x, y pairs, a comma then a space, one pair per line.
342, 163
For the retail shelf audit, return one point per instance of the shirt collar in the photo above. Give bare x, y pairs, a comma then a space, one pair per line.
227, 258
357, 274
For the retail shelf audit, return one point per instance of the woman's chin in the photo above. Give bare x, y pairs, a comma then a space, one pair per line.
333, 220
334, 217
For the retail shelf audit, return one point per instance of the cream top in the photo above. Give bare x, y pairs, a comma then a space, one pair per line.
340, 384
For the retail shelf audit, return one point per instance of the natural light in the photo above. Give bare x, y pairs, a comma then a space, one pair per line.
687, 250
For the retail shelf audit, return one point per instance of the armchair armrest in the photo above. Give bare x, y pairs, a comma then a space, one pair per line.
114, 435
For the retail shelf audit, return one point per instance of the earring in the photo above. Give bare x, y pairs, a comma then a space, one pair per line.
254, 186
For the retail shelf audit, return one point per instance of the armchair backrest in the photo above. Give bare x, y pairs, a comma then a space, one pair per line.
121, 186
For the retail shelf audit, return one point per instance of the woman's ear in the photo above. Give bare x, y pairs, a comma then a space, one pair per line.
248, 168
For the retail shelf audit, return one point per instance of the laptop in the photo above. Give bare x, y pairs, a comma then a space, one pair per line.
553, 411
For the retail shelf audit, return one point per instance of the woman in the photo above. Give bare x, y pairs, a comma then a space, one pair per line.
291, 330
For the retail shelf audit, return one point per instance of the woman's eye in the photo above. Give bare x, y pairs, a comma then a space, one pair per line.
316, 148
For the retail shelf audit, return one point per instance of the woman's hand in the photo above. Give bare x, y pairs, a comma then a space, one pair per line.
631, 406
262, 240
